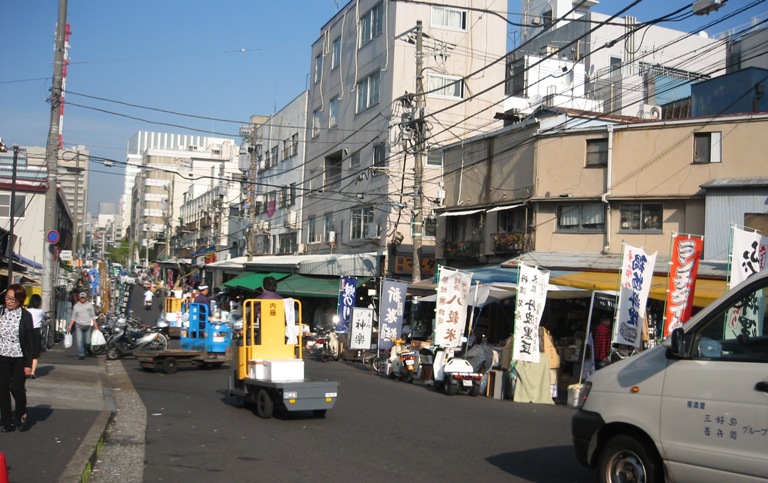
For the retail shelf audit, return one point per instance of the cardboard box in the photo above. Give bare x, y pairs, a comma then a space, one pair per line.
284, 370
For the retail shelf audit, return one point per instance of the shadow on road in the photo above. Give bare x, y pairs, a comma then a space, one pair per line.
554, 464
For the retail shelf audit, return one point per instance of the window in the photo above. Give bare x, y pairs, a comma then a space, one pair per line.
292, 195
19, 206
430, 226
283, 196
315, 122
286, 149
379, 156
597, 152
706, 147
736, 332
615, 65
641, 216
449, 17
446, 86
295, 144
335, 53
546, 19
287, 243
312, 235
354, 160
333, 112
318, 67
361, 217
511, 221
266, 159
587, 218
371, 24
274, 155
332, 173
435, 157
368, 92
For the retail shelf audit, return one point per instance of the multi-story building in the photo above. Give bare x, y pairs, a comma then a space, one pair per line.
630, 67
277, 150
360, 190
168, 178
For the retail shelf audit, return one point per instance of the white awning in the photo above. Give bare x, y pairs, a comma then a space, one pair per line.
501, 208
460, 213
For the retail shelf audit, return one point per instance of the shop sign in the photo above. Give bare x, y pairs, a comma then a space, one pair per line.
392, 308
636, 276
361, 328
452, 303
347, 297
531, 297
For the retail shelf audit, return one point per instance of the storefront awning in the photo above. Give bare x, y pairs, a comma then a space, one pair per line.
253, 281
706, 290
502, 208
461, 213
303, 286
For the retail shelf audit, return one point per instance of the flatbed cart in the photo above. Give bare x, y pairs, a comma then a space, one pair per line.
204, 343
269, 368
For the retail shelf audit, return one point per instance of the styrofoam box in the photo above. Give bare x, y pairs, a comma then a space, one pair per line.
284, 370
256, 369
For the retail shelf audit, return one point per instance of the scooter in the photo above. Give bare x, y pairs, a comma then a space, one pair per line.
453, 374
124, 340
403, 363
326, 345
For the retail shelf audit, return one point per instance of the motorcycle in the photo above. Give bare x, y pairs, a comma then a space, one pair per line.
454, 373
326, 345
403, 363
127, 337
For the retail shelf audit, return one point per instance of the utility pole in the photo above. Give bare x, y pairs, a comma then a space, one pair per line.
419, 128
10, 244
52, 152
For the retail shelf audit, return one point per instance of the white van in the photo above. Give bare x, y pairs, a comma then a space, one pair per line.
694, 409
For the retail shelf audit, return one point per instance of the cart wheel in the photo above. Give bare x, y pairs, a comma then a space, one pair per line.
320, 413
451, 386
170, 365
264, 405
475, 389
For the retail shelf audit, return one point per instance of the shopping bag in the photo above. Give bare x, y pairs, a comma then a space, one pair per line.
68, 340
97, 338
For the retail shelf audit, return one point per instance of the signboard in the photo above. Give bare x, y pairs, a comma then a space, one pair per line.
636, 275
452, 303
361, 328
531, 297
52, 237
683, 268
347, 296
65, 255
392, 308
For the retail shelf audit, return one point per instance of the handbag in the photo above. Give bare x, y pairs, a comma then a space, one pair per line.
97, 338
68, 340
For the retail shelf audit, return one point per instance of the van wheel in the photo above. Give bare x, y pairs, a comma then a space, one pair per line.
626, 458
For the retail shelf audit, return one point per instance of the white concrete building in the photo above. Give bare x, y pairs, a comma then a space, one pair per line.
359, 177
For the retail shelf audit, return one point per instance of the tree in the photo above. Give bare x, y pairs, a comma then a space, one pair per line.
119, 253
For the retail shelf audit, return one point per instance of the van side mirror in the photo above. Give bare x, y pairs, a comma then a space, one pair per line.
677, 345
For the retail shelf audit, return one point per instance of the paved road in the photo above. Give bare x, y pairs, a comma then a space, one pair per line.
378, 428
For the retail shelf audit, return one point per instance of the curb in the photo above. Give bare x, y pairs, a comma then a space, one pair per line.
81, 465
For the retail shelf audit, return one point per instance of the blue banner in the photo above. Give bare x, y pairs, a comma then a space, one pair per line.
392, 308
347, 298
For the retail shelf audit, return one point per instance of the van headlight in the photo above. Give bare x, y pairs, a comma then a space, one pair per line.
584, 393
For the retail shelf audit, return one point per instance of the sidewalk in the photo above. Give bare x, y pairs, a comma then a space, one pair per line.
69, 407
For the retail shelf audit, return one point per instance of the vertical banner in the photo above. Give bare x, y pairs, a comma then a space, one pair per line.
636, 277
347, 297
361, 328
683, 268
748, 256
748, 253
452, 302
531, 297
392, 309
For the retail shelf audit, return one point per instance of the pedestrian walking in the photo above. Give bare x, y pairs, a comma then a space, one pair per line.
38, 316
15, 358
84, 318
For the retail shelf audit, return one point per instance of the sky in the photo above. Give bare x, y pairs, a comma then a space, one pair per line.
224, 60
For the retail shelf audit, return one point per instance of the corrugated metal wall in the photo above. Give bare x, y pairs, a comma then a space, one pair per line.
724, 207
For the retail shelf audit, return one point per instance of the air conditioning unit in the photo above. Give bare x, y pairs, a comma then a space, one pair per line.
262, 166
331, 237
302, 249
649, 111
371, 230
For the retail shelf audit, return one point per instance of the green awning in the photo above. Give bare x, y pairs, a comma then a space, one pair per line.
298, 286
253, 281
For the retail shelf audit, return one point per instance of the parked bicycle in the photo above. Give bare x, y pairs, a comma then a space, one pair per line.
47, 332
620, 352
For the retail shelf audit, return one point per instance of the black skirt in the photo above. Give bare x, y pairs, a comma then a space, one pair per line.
37, 343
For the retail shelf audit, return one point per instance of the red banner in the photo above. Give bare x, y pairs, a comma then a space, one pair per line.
684, 265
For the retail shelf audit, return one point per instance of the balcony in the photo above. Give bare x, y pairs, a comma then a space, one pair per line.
504, 242
461, 249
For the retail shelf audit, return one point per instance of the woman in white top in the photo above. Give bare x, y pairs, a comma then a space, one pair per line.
38, 315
